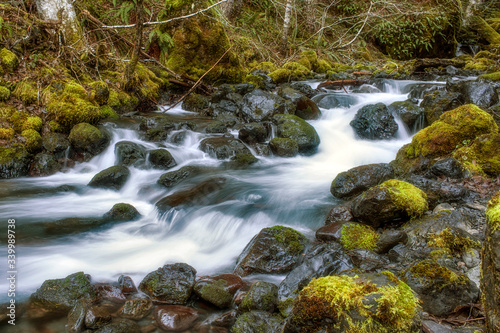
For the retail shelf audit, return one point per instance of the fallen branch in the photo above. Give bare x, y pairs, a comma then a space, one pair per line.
340, 83
198, 82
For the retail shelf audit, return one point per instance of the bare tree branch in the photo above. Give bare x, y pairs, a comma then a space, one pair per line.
162, 22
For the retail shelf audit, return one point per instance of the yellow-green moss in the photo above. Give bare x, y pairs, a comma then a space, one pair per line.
299, 71
485, 30
493, 212
26, 91
121, 101
293, 239
8, 60
431, 272
54, 126
145, 83
108, 112
482, 65
6, 133
358, 236
406, 197
337, 298
481, 155
33, 141
100, 92
453, 127
34, 123
266, 66
256, 80
323, 66
68, 104
491, 77
281, 75
451, 242
4, 93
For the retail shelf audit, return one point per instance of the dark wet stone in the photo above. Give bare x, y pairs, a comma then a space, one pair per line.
170, 284
223, 148
410, 113
111, 293
274, 250
56, 143
129, 153
175, 318
481, 93
439, 191
252, 133
338, 214
297, 129
374, 122
438, 102
284, 147
113, 178
61, 295
136, 308
122, 212
161, 159
76, 317
14, 162
304, 88
350, 183
330, 232
120, 325
447, 167
390, 238
368, 261
305, 108
96, 317
218, 290
127, 284
44, 164
257, 321
216, 127
173, 178
260, 105
262, 296
72, 225
330, 101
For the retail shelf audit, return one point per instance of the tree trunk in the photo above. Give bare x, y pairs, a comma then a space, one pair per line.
309, 15
129, 71
286, 26
64, 10
490, 267
232, 9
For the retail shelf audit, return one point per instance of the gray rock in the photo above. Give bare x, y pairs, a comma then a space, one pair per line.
374, 122
113, 178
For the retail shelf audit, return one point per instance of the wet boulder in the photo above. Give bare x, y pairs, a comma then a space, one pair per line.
297, 129
419, 90
440, 191
252, 133
284, 147
374, 122
76, 317
260, 105
195, 103
481, 156
216, 127
439, 288
257, 321
391, 201
479, 92
305, 108
122, 212
200, 194
136, 308
175, 318
390, 238
274, 250
129, 153
438, 102
87, 140
172, 178
157, 129
223, 148
330, 101
304, 88
97, 317
170, 284
56, 143
447, 167
262, 296
120, 325
218, 290
14, 162
113, 178
350, 183
410, 113
61, 295
161, 159
44, 164
343, 303
338, 214
321, 259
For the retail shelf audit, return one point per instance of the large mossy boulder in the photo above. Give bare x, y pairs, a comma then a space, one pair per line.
170, 284
129, 153
322, 259
113, 178
362, 303
374, 122
122, 212
223, 148
453, 130
439, 288
359, 179
260, 105
14, 162
8, 60
297, 129
61, 295
490, 266
284, 147
87, 140
437, 102
481, 156
161, 159
391, 201
274, 250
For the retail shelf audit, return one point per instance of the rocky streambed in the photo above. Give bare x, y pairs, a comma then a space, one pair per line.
264, 210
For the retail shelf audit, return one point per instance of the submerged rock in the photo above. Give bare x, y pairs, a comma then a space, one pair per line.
122, 212
161, 159
172, 178
113, 178
175, 318
274, 250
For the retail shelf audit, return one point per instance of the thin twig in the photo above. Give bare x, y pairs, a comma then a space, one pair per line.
162, 22
198, 82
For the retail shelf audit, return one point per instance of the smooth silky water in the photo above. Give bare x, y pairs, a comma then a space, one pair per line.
275, 191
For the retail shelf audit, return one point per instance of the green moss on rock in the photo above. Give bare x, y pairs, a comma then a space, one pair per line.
358, 236
100, 92
8, 60
493, 212
481, 155
281, 75
294, 240
33, 140
122, 102
108, 112
431, 272
406, 197
490, 77
452, 242
34, 123
26, 91
6, 133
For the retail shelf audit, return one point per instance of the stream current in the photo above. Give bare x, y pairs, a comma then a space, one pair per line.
292, 192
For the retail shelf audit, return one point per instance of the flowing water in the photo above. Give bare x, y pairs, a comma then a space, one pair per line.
286, 191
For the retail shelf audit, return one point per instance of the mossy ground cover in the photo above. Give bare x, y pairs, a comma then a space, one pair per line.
406, 197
